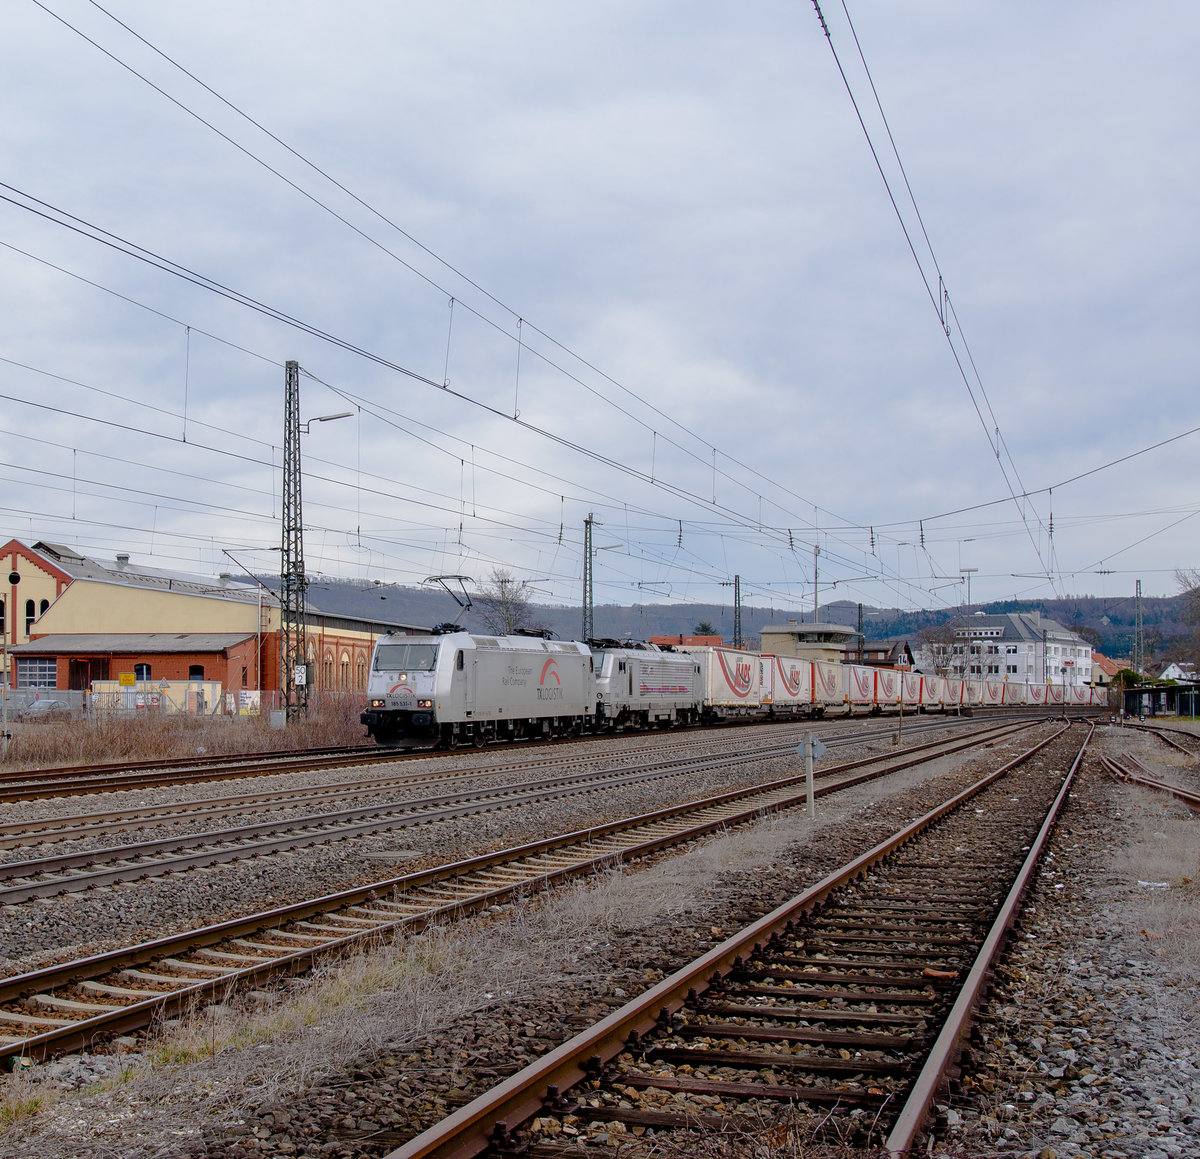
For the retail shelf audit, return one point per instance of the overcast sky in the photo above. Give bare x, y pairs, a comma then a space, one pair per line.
635, 260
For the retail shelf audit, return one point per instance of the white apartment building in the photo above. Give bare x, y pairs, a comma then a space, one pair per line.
1023, 647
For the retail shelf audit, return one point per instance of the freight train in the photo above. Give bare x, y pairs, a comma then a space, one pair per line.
467, 688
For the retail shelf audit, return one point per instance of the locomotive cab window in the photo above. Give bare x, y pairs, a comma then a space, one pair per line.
405, 657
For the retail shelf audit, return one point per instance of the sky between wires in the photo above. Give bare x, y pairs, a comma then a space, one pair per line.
633, 260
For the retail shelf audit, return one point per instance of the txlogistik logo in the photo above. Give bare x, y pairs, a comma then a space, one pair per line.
550, 683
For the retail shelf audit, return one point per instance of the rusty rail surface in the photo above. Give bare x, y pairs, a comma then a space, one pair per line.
386, 906
1141, 775
541, 1087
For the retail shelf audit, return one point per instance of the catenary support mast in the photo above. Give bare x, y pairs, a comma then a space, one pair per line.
293, 682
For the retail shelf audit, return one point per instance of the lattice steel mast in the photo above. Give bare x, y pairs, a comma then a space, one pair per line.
1137, 661
293, 682
588, 615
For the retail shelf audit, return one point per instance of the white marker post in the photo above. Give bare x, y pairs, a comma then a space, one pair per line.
813, 750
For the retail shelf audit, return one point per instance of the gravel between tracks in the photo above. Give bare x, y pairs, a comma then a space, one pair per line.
79, 924
346, 1065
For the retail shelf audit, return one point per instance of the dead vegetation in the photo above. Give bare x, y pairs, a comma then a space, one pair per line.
230, 1063
1164, 861
84, 740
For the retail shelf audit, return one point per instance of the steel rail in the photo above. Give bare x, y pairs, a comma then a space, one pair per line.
188, 762
470, 1130
1130, 776
222, 846
1160, 731
72, 826
948, 1046
723, 810
26, 785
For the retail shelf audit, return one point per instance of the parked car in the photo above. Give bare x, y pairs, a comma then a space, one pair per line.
45, 710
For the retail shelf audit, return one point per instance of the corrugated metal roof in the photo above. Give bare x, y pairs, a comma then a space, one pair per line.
345, 600
129, 574
80, 642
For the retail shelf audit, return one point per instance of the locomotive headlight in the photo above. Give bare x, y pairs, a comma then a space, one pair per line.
424, 703
376, 703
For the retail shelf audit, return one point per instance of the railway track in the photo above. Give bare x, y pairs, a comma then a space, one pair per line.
1131, 770
70, 1005
65, 827
67, 781
1164, 734
74, 781
77, 870
853, 1000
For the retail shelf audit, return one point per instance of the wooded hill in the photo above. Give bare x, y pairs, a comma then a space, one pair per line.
1107, 622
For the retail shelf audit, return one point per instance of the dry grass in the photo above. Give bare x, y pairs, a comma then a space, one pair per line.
331, 721
20, 1098
220, 1066
787, 1133
1165, 854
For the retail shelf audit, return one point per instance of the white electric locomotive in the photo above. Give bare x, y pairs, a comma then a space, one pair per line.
641, 686
463, 688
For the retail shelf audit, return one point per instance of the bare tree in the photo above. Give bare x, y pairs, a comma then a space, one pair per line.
1188, 579
503, 603
938, 641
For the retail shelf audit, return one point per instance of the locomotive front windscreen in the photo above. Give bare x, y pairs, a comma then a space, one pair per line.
405, 657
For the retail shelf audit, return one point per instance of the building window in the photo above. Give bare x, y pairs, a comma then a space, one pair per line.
1011, 669
37, 672
993, 669
43, 607
196, 672
30, 615
141, 672
1010, 649
3, 621
245, 675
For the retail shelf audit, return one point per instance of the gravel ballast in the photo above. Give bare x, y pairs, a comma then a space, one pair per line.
348, 1066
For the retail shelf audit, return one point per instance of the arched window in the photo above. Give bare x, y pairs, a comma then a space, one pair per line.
196, 672
43, 607
344, 673
141, 672
30, 615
